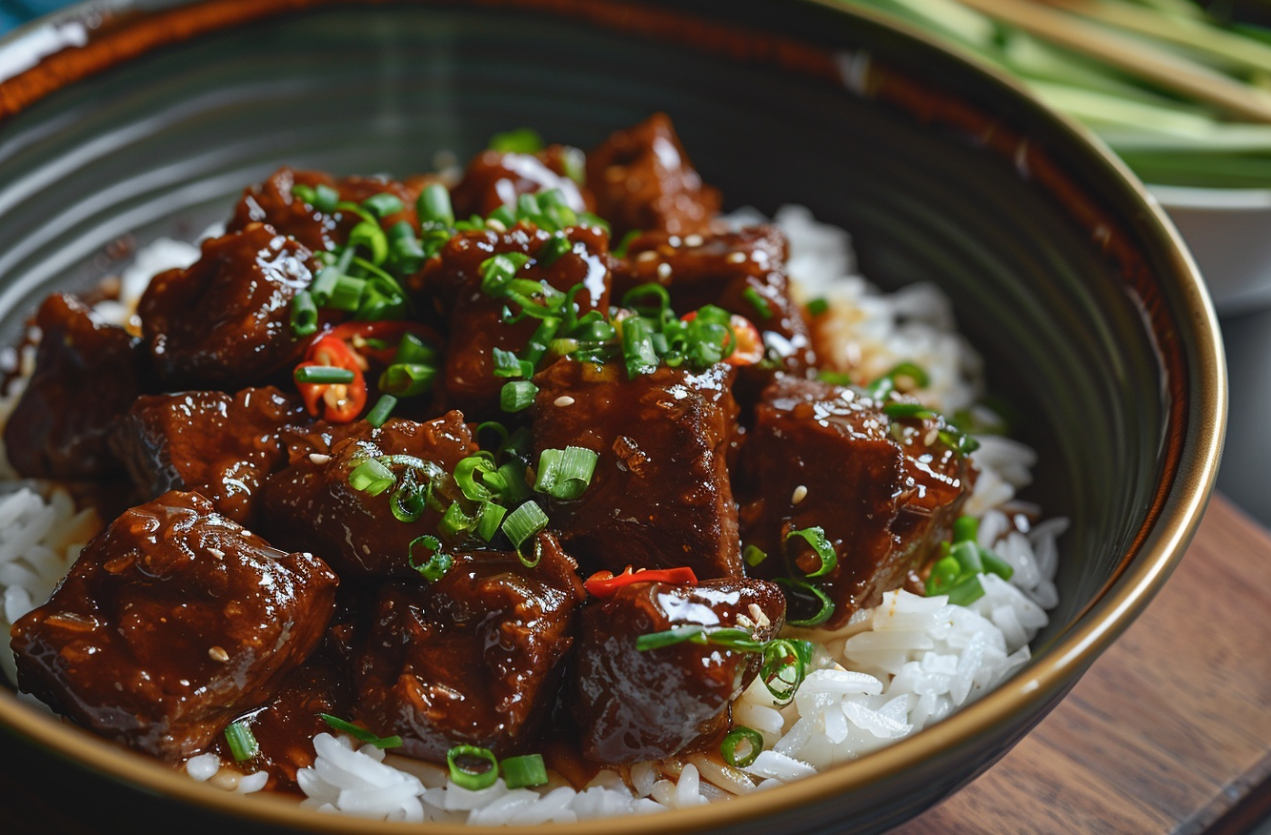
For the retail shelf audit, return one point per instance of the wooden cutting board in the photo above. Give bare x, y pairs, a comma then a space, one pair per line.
1169, 732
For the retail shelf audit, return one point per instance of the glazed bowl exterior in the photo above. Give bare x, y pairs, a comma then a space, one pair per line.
135, 120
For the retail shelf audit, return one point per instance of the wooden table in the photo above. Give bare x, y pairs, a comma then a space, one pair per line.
1169, 732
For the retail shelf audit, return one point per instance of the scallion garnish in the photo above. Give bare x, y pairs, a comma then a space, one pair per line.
371, 476
323, 374
381, 410
637, 347
434, 207
522, 523
756, 300
825, 606
524, 772
471, 767
383, 204
784, 665
324, 199
956, 573
347, 293
620, 251
741, 746
438, 562
304, 314
242, 742
407, 379
359, 733
886, 384
815, 536
491, 517
818, 306
753, 555
456, 521
915, 411
565, 473
556, 246
370, 236
517, 395
469, 473
517, 141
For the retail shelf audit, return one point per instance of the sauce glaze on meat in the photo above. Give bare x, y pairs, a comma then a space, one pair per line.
424, 621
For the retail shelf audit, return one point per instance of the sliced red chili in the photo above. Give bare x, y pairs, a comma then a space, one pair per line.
606, 583
388, 332
340, 402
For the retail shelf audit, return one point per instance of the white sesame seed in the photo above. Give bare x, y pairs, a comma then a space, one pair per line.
319, 458
736, 257
217, 553
800, 493
693, 240
218, 654
664, 270
931, 436
647, 255
495, 224
564, 400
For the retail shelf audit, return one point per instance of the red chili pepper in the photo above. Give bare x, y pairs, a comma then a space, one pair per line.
606, 584
749, 342
341, 402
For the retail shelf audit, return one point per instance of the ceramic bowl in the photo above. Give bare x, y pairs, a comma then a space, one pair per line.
145, 118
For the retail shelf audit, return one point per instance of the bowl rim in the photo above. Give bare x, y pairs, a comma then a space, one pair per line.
1163, 537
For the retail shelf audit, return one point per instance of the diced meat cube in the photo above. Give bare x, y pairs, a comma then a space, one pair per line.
87, 374
219, 445
885, 491
273, 202
660, 494
475, 658
742, 272
495, 179
642, 179
310, 504
172, 622
225, 321
634, 705
475, 324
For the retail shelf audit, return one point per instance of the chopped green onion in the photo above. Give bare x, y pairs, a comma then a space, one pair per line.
407, 379
361, 734
515, 487
491, 517
504, 216
965, 529
517, 395
524, 772
517, 141
815, 536
456, 521
753, 555
556, 247
304, 314
325, 199
524, 522
637, 347
966, 592
382, 409
383, 204
372, 237
758, 302
409, 501
304, 192
669, 637
574, 162
323, 375
527, 207
748, 739
818, 306
825, 606
347, 293
886, 384
498, 271
371, 476
242, 742
565, 474
434, 206
507, 364
783, 669
325, 282
438, 561
909, 410
968, 556
943, 574
466, 770
834, 378
469, 470
994, 564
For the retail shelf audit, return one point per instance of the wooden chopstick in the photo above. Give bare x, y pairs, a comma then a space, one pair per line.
1130, 55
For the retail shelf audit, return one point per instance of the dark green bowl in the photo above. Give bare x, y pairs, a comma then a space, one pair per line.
1063, 272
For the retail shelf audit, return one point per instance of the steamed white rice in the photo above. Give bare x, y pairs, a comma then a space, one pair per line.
888, 673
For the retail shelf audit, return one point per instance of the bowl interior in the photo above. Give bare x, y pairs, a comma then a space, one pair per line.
934, 169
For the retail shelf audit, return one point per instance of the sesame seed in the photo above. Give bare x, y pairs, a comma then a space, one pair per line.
217, 553
693, 240
647, 255
319, 458
800, 493
664, 270
495, 224
218, 654
932, 436
564, 400
736, 257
